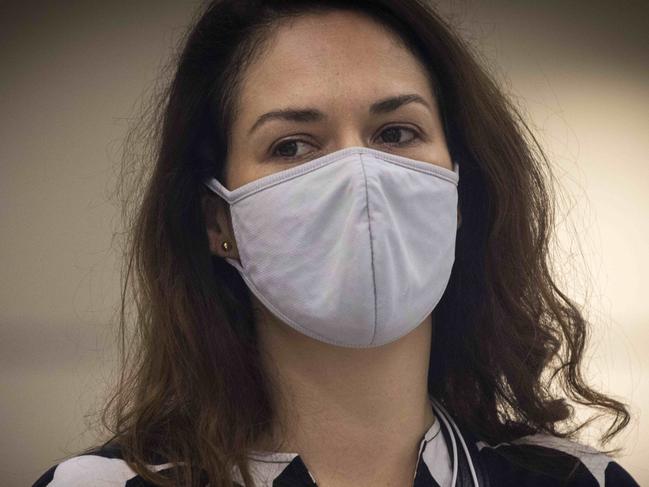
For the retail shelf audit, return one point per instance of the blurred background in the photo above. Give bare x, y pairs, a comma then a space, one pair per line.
73, 76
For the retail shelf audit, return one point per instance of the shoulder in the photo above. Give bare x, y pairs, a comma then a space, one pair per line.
544, 459
102, 466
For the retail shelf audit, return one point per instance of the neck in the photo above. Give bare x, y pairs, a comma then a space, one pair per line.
352, 408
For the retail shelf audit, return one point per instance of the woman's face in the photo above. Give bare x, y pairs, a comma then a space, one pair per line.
340, 80
326, 81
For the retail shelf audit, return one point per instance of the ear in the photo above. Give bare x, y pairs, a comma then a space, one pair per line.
218, 225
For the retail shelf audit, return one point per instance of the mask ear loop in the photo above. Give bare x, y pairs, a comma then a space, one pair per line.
444, 416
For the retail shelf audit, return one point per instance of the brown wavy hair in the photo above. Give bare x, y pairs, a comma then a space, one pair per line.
507, 342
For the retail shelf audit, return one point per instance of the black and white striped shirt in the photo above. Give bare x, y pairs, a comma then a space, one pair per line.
493, 466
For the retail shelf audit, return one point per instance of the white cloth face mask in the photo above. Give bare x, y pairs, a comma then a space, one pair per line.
354, 248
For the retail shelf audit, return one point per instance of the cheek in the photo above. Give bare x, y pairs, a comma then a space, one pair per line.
441, 153
244, 169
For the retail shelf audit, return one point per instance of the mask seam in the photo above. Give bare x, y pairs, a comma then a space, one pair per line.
369, 226
255, 290
312, 333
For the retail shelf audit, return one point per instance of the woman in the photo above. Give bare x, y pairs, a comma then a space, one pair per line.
340, 264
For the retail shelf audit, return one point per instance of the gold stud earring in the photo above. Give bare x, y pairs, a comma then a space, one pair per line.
226, 246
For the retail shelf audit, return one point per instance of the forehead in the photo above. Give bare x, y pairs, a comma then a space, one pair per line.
338, 55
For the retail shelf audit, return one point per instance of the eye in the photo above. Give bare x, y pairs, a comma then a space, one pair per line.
290, 148
394, 135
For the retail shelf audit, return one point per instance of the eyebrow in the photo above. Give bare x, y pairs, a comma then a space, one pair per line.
385, 105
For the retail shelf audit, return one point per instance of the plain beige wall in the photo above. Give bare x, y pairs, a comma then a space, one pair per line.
71, 74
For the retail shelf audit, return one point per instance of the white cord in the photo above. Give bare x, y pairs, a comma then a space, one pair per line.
474, 477
441, 415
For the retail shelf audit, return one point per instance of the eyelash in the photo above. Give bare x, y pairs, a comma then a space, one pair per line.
416, 135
